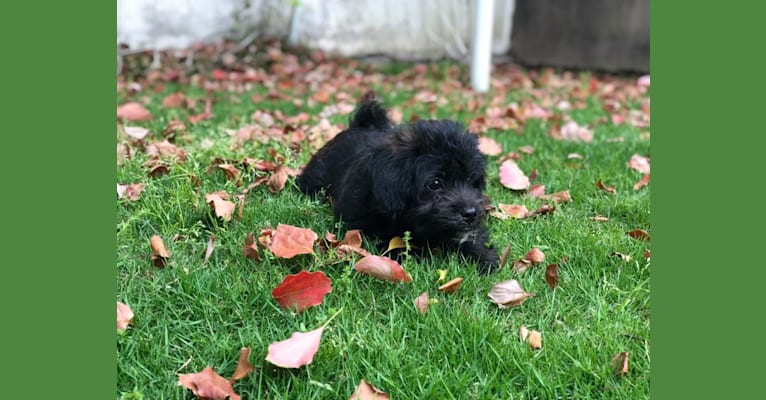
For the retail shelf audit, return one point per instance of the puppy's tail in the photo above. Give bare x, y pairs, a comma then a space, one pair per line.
369, 114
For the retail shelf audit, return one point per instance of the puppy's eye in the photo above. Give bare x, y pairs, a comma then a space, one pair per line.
435, 184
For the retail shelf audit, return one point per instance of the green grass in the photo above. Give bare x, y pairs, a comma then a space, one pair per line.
189, 315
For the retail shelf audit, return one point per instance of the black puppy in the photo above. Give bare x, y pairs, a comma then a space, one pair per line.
424, 177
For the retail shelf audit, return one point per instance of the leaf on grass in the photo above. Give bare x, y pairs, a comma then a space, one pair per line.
552, 275
130, 192
519, 266
572, 156
220, 204
296, 351
442, 274
621, 256
577, 133
647, 255
421, 302
526, 149
523, 333
608, 189
288, 241
599, 218
489, 146
365, 391
277, 180
302, 290
352, 238
165, 149
124, 316
232, 173
514, 210
136, 132
133, 112
512, 177
504, 257
639, 163
208, 385
159, 253
382, 268
174, 100
206, 114
536, 191
620, 363
345, 249
542, 210
243, 365
535, 339
451, 286
251, 249
535, 256
558, 197
639, 234
209, 250
396, 242
508, 294
641, 183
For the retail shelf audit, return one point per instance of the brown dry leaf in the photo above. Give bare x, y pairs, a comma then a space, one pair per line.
508, 294
552, 275
174, 100
130, 192
124, 316
158, 170
608, 189
421, 302
535, 339
558, 197
221, 207
535, 256
523, 333
251, 249
133, 112
277, 180
620, 363
353, 237
504, 257
489, 146
206, 114
136, 132
159, 253
519, 266
243, 365
344, 250
209, 250
643, 182
451, 286
542, 210
639, 234
165, 149
208, 385
526, 149
365, 391
232, 173
599, 218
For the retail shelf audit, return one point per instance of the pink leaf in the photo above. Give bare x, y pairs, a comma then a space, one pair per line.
639, 163
124, 315
133, 112
508, 293
489, 146
382, 268
296, 351
512, 177
574, 132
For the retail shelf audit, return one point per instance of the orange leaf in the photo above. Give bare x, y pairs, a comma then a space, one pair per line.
124, 315
221, 207
451, 286
346, 249
208, 385
365, 391
159, 253
288, 241
608, 189
382, 268
514, 210
302, 290
552, 275
639, 234
508, 294
643, 182
174, 100
421, 302
620, 363
353, 238
523, 333
243, 365
296, 351
133, 112
535, 339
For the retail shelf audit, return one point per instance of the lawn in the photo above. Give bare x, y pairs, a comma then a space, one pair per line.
272, 108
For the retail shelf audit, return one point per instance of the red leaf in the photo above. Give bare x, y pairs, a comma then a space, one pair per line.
124, 315
382, 268
206, 114
174, 100
288, 241
639, 234
208, 385
302, 290
133, 112
296, 351
512, 177
514, 210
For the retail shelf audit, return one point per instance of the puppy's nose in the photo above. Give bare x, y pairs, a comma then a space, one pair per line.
469, 214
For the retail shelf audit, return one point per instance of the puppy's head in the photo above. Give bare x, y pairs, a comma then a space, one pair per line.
441, 176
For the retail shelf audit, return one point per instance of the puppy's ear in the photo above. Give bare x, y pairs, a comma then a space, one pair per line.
404, 141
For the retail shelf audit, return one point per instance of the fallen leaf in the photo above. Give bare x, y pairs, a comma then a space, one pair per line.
526, 149
514, 210
136, 132
542, 210
353, 237
489, 146
442, 274
365, 391
512, 177
572, 156
523, 333
296, 351
133, 112
166, 149
124, 316
647, 255
519, 266
222, 207
535, 256
251, 249
643, 182
608, 189
130, 192
421, 302
508, 294
599, 218
535, 339
344, 250
621, 256
174, 100
209, 250
536, 191
243, 365
574, 132
382, 268
558, 197
620, 363
639, 163
302, 290
643, 81
396, 242
288, 241
277, 180
159, 253
206, 114
232, 173
552, 275
208, 385
504, 257
451, 286
639, 234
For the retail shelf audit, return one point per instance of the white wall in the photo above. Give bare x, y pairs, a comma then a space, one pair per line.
409, 29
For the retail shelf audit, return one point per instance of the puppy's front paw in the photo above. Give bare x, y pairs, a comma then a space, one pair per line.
488, 261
